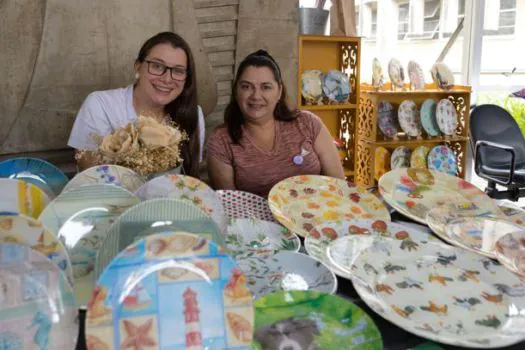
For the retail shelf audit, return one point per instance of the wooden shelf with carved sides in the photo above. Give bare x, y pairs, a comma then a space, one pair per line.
340, 53
369, 136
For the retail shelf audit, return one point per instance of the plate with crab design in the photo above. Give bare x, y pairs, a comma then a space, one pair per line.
107, 174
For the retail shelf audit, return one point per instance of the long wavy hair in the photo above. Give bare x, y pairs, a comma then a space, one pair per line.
183, 110
233, 118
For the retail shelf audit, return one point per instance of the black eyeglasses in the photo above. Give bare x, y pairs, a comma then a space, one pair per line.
158, 69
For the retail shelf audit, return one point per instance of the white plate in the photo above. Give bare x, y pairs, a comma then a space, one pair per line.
107, 174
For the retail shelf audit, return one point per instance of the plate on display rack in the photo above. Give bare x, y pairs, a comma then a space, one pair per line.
20, 197
418, 158
336, 86
36, 171
378, 78
408, 115
312, 86
416, 76
381, 162
386, 119
302, 202
258, 237
188, 189
446, 117
107, 174
512, 212
442, 76
413, 192
400, 158
38, 309
80, 218
244, 205
438, 292
320, 237
428, 117
442, 158
510, 252
21, 229
175, 291
396, 73
318, 320
286, 271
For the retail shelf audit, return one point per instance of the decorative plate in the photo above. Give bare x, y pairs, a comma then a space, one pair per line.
418, 158
408, 115
416, 76
381, 162
81, 218
378, 79
312, 86
20, 197
442, 158
37, 308
375, 191
442, 76
21, 229
413, 192
439, 292
400, 158
302, 202
396, 73
336, 86
447, 117
313, 320
428, 117
36, 171
320, 237
154, 216
286, 271
171, 291
258, 237
244, 205
510, 251
107, 174
188, 189
512, 212
386, 119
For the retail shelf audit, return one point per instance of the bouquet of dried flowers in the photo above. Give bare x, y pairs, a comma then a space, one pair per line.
146, 146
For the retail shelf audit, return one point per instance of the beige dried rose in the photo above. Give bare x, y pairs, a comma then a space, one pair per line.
153, 134
122, 141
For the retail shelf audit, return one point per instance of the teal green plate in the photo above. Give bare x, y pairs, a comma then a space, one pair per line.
310, 319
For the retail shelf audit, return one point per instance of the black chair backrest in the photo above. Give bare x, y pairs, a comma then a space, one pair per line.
493, 123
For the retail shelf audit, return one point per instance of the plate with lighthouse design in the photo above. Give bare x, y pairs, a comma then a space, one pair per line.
172, 290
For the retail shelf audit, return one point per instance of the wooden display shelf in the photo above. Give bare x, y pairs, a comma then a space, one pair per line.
420, 142
328, 107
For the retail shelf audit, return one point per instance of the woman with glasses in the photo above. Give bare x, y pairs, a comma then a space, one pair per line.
165, 88
262, 140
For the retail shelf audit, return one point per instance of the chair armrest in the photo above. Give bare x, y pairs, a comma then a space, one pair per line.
499, 146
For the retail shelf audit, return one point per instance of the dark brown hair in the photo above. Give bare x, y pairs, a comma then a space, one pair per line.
182, 110
233, 117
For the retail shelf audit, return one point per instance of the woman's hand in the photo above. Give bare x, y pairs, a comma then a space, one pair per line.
220, 174
327, 152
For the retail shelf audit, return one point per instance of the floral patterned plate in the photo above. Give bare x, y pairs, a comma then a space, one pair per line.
336, 86
442, 76
400, 158
80, 218
418, 158
321, 236
413, 192
446, 117
286, 271
171, 291
512, 212
24, 230
37, 307
381, 162
428, 117
396, 73
378, 79
244, 205
408, 115
510, 251
188, 189
107, 174
312, 86
438, 292
442, 158
21, 197
258, 237
312, 320
386, 119
302, 202
416, 76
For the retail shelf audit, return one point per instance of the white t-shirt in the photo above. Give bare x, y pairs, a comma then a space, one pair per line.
104, 112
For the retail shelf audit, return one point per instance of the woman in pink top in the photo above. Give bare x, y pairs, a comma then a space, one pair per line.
262, 141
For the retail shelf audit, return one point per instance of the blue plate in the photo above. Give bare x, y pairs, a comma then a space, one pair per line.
171, 291
442, 158
36, 171
336, 86
428, 117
